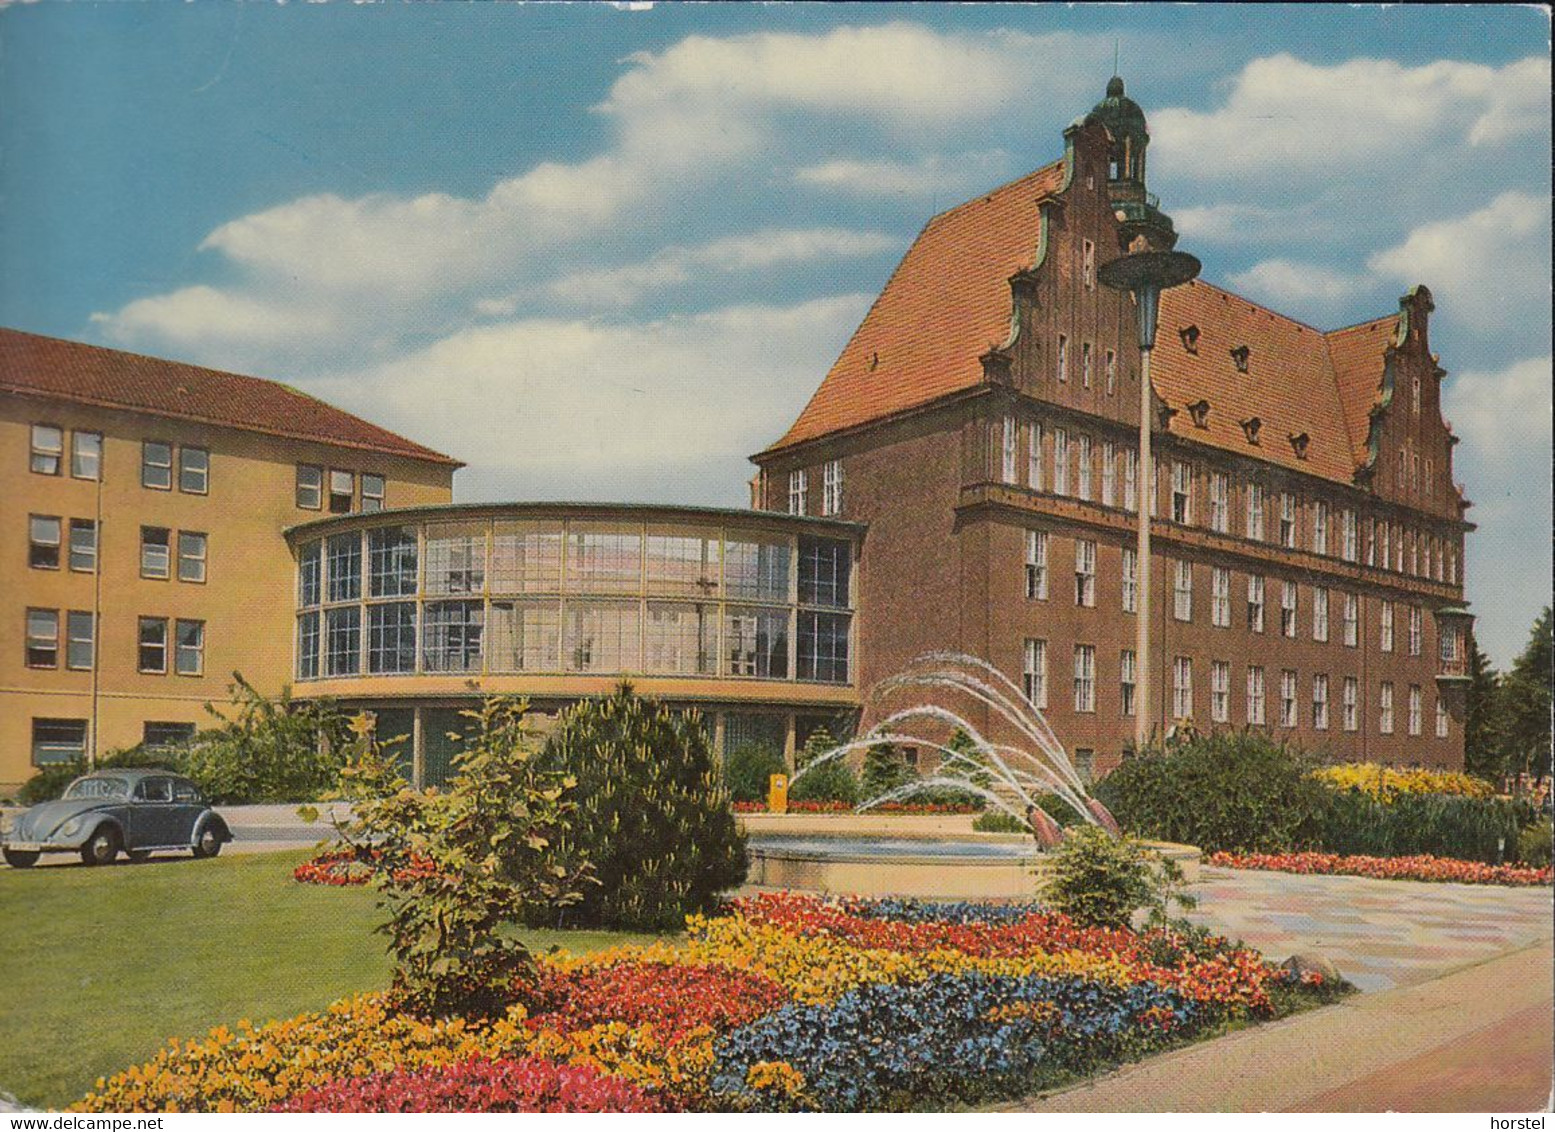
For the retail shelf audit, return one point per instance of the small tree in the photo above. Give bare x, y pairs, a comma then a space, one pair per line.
265, 750
748, 771
652, 817
459, 869
884, 770
1525, 698
831, 781
1483, 741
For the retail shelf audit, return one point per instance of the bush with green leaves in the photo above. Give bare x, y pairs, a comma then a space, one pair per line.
748, 770
1442, 825
1534, 847
1237, 791
459, 869
652, 818
1098, 879
268, 750
830, 781
50, 781
884, 770
997, 821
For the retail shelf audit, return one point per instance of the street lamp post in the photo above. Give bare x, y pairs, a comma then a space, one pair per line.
1145, 275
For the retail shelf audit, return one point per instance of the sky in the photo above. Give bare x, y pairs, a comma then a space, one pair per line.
608, 251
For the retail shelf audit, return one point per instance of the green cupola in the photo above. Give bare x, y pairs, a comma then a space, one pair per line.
1130, 138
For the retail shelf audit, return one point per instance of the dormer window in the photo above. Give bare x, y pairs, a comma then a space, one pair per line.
1199, 411
1190, 338
1298, 443
1239, 355
1251, 426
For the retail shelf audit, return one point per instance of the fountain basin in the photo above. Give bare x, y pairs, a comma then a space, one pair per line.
927, 865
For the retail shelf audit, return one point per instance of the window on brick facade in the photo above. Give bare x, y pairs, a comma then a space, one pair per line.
1085, 678
1060, 461
1255, 507
1190, 338
798, 491
1385, 618
1288, 693
1287, 520
1220, 691
1088, 264
1112, 372
1219, 502
1441, 718
1348, 534
1034, 672
1182, 592
1063, 357
1352, 621
1009, 447
1130, 574
1036, 565
1319, 527
1085, 364
1182, 493
1034, 457
1320, 702
831, 473
1109, 474
1220, 597
1255, 595
1416, 708
1350, 704
1288, 601
1239, 355
1127, 681
1084, 476
1385, 708
1320, 613
1255, 696
1416, 629
1130, 480
1085, 572
1182, 688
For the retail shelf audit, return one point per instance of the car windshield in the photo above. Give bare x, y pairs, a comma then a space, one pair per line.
98, 788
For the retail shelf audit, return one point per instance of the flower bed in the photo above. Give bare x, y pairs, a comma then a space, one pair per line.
848, 808
781, 1002
345, 867
1424, 868
1385, 783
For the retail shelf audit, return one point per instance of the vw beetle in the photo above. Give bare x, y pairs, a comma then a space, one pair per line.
100, 815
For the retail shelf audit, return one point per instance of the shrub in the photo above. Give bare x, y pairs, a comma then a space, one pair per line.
1230, 790
1534, 844
460, 868
651, 816
831, 781
997, 821
269, 750
1440, 825
884, 770
1099, 880
748, 769
50, 781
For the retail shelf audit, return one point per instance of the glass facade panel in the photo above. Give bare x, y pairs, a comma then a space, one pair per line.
308, 646
343, 566
756, 642
604, 558
825, 572
343, 641
603, 636
453, 634
526, 558
391, 637
525, 635
310, 573
681, 562
455, 558
391, 562
823, 647
681, 638
756, 571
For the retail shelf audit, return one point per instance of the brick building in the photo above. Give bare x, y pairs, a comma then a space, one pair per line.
983, 421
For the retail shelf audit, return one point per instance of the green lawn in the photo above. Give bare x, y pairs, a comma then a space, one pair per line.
99, 967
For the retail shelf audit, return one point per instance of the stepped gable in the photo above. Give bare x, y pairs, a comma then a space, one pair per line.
946, 303
1359, 355
31, 364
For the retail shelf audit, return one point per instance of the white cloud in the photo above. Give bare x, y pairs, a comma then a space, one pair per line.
1489, 269
591, 403
1285, 118
194, 319
1503, 417
1285, 284
677, 265
928, 176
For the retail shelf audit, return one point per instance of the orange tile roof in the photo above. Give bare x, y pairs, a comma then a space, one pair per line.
946, 303
949, 300
32, 364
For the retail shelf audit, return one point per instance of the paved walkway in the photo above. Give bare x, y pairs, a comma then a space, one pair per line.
1478, 1039
1379, 933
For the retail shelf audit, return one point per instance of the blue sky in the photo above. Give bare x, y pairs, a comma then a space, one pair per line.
608, 253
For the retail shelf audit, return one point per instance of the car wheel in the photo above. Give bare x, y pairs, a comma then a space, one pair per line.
20, 858
209, 843
138, 855
102, 848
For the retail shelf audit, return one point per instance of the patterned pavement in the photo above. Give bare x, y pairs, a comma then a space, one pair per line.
1379, 933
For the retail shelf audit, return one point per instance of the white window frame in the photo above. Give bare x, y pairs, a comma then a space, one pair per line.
1349, 535
1085, 679
1416, 709
1385, 623
1128, 682
1060, 461
1290, 609
1320, 701
1287, 520
1255, 510
1320, 613
1255, 603
798, 491
1220, 691
1085, 573
1034, 456
47, 455
1290, 692
1350, 706
1084, 472
1220, 502
1182, 493
1385, 708
831, 488
1112, 372
1220, 597
1063, 358
1319, 527
1034, 671
1088, 264
310, 485
1009, 449
1257, 694
1036, 565
1416, 630
1182, 591
1130, 580
1130, 480
1182, 687
1441, 718
1109, 474
1352, 621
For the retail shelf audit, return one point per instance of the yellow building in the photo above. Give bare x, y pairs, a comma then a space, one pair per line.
143, 504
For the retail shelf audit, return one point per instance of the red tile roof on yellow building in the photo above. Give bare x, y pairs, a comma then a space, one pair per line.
949, 300
34, 365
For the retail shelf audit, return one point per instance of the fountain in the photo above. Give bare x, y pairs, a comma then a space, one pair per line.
1011, 779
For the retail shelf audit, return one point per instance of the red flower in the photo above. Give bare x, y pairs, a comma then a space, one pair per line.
1423, 867
529, 1085
674, 998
